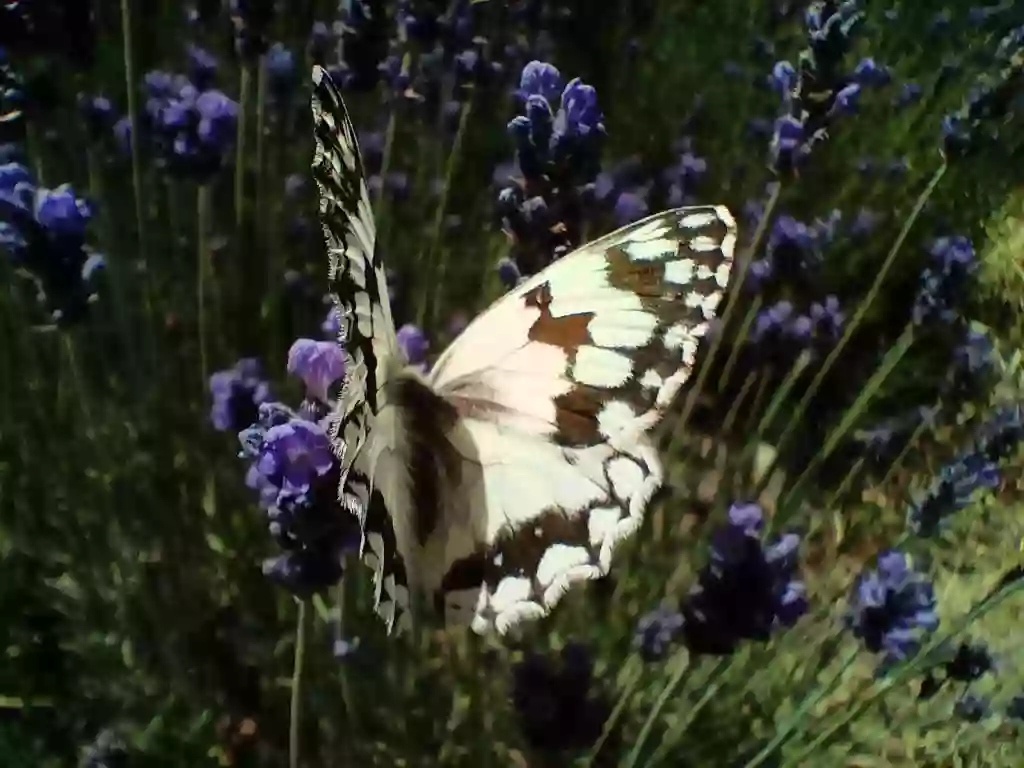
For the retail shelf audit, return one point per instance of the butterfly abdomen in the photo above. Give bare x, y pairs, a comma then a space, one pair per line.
419, 472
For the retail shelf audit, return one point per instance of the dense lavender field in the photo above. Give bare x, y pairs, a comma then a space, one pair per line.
831, 575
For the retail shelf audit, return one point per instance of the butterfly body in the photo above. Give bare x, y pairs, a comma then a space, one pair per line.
521, 460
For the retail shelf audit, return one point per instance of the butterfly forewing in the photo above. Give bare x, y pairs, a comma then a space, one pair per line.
557, 386
357, 284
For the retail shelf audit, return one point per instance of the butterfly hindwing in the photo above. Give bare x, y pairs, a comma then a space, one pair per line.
358, 286
556, 387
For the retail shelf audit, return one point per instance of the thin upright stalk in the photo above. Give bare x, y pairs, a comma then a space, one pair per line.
129, 77
439, 267
294, 745
240, 147
261, 120
202, 259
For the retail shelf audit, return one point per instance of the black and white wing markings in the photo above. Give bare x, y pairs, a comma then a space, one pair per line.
358, 286
556, 387
356, 278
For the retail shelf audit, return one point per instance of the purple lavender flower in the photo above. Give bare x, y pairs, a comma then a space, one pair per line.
540, 79
252, 20
793, 247
11, 175
188, 128
293, 455
98, 113
217, 117
414, 344
656, 632
869, 73
952, 490
975, 354
758, 272
987, 104
508, 273
782, 79
864, 222
202, 66
908, 94
45, 233
829, 30
61, 212
305, 571
558, 155
629, 207
975, 468
557, 705
280, 63
294, 471
320, 38
682, 177
892, 608
847, 99
828, 317
787, 141
944, 283
971, 707
318, 363
579, 114
747, 590
331, 325
237, 395
343, 649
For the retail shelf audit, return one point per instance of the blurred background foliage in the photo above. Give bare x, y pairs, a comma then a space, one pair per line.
138, 624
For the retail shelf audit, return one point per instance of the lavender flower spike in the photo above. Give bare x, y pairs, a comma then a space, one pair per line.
318, 363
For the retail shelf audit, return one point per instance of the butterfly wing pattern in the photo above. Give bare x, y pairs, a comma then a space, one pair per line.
518, 464
358, 287
557, 386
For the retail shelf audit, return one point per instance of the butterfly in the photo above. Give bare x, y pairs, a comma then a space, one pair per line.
520, 461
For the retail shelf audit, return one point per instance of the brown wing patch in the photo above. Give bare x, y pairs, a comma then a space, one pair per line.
569, 332
644, 278
576, 417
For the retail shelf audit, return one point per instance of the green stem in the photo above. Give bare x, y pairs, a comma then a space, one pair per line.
428, 312
76, 377
263, 216
296, 704
129, 77
347, 697
800, 713
791, 501
711, 686
202, 257
34, 144
634, 672
243, 102
674, 684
